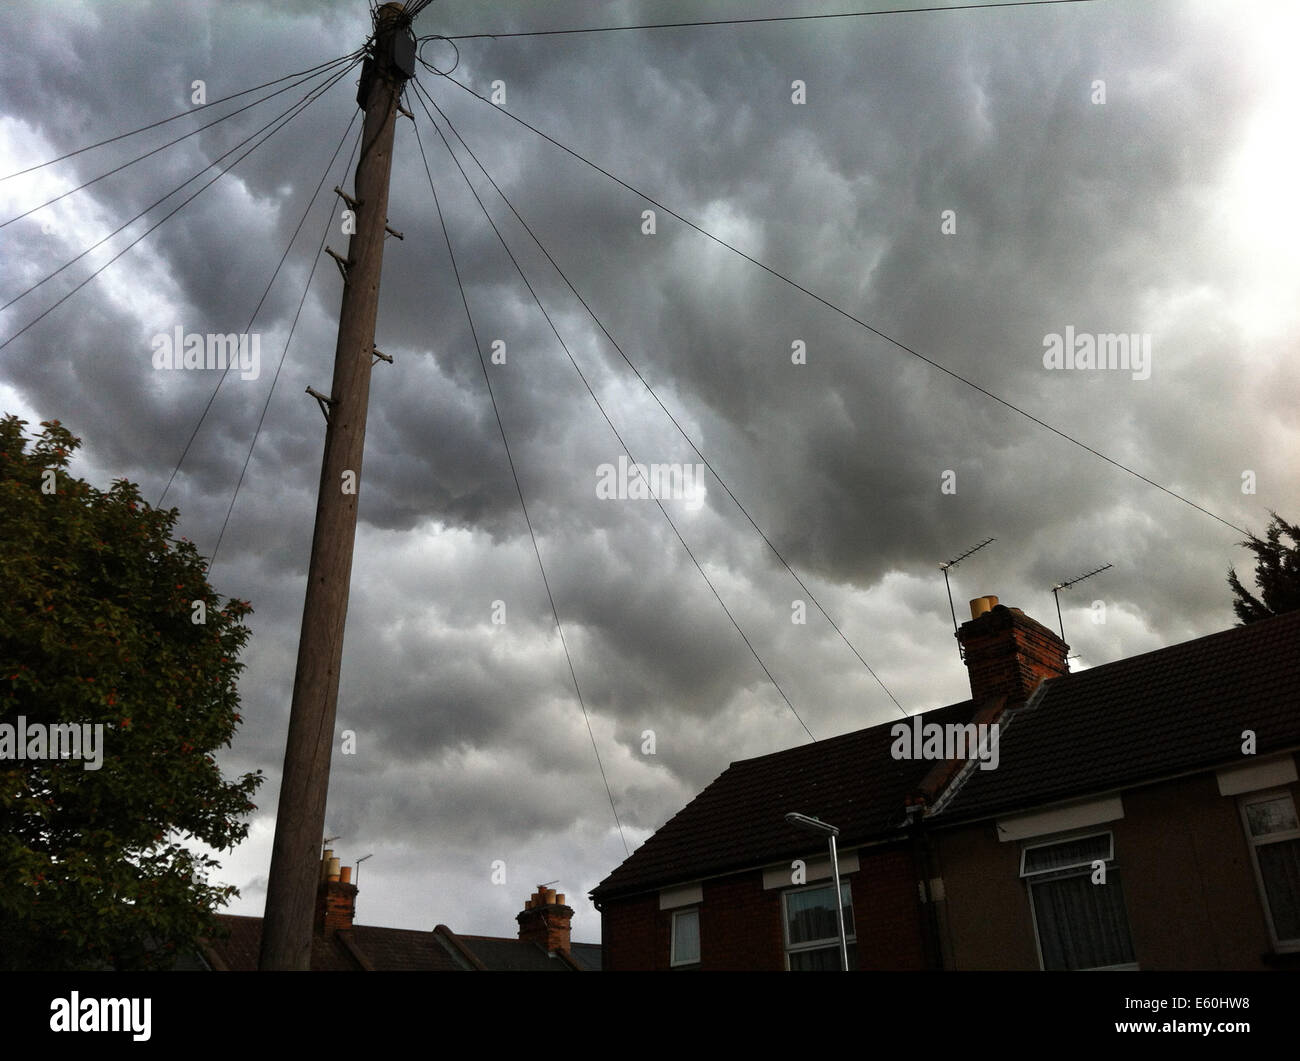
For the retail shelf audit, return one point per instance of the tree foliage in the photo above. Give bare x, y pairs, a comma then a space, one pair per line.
97, 626
1277, 574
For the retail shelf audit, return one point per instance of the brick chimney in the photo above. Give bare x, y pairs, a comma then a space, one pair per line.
1007, 653
545, 920
336, 896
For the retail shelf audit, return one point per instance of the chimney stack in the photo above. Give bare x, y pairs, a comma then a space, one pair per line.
545, 920
1007, 653
336, 896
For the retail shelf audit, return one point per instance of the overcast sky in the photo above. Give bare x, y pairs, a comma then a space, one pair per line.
1164, 212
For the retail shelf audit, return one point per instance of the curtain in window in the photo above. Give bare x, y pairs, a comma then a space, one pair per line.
686, 938
1080, 852
1279, 865
826, 960
810, 919
811, 915
1082, 925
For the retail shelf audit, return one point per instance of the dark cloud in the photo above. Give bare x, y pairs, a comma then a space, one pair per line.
1132, 217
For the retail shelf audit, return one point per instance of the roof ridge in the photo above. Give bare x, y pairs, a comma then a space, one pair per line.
1238, 629
857, 732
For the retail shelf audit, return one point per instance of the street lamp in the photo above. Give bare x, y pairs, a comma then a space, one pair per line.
821, 828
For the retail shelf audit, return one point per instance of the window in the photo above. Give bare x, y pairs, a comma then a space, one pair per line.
1274, 834
1079, 924
812, 934
686, 937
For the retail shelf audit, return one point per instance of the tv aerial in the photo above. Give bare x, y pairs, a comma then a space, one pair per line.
359, 861
1056, 591
953, 563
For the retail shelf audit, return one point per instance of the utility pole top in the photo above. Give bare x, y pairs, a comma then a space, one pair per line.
392, 51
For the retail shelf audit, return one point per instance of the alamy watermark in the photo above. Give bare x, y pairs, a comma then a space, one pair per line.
63, 740
930, 740
77, 1014
211, 351
1084, 350
641, 482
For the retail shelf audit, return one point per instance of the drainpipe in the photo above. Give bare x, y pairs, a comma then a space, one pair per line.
923, 860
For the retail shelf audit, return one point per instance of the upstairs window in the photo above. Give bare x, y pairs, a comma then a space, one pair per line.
1274, 835
812, 935
686, 937
1079, 924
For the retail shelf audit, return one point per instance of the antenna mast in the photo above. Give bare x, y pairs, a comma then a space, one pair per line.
953, 563
1056, 592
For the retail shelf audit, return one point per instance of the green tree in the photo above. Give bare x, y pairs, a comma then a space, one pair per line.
98, 627
1277, 574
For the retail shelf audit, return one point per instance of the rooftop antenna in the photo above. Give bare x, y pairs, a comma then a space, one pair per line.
1056, 592
359, 861
947, 585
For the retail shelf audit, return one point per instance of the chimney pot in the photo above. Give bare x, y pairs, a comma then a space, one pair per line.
336, 898
546, 920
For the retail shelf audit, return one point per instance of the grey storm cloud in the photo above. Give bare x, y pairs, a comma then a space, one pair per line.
1122, 217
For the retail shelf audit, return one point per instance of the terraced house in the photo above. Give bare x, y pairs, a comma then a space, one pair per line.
1141, 815
340, 945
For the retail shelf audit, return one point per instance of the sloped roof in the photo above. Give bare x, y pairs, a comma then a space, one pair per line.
738, 821
369, 948
512, 955
360, 948
586, 956
1177, 709
398, 950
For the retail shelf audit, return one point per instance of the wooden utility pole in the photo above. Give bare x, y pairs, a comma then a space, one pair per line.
300, 821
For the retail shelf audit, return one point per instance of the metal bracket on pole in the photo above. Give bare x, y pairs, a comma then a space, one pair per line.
341, 262
403, 111
382, 357
323, 401
393, 232
354, 203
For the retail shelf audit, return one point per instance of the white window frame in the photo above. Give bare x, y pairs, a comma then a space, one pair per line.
1085, 869
850, 935
673, 960
1280, 946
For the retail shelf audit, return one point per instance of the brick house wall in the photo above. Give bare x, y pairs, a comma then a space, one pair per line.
741, 929
1189, 886
888, 913
634, 933
740, 925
